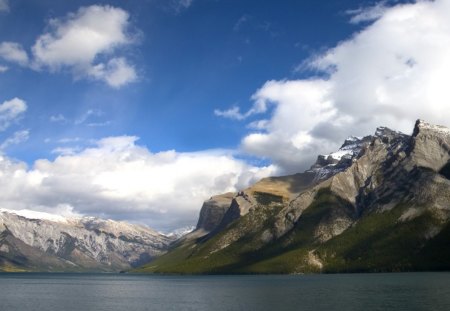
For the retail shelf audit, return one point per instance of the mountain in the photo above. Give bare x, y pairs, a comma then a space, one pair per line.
180, 232
34, 241
380, 203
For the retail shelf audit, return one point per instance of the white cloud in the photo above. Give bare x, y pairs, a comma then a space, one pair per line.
185, 3
117, 72
77, 39
17, 138
392, 72
120, 179
59, 118
87, 115
68, 140
65, 151
4, 6
13, 52
3, 68
10, 111
368, 14
86, 118
233, 113
85, 43
179, 5
286, 138
99, 124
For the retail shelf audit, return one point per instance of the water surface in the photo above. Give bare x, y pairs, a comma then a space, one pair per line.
67, 292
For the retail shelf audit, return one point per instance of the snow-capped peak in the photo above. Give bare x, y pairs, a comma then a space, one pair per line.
351, 147
178, 233
29, 214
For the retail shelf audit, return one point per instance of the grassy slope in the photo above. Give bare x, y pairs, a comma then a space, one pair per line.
203, 257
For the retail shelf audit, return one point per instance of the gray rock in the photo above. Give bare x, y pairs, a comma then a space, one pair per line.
79, 244
213, 211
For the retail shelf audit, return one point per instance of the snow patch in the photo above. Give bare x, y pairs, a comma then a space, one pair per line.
178, 233
338, 155
29, 214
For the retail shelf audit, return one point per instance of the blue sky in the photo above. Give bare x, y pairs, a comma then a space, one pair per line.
140, 110
212, 54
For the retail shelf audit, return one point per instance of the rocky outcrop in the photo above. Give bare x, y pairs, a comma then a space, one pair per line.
213, 211
430, 146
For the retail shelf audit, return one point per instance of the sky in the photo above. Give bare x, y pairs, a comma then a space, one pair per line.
140, 110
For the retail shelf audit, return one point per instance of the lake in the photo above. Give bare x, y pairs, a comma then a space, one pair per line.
66, 292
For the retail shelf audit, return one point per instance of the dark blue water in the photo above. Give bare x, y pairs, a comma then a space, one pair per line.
61, 292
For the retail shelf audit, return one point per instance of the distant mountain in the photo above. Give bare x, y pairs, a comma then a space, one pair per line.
180, 232
33, 241
380, 203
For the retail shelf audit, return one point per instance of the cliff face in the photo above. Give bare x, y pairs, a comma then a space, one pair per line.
213, 211
380, 203
40, 242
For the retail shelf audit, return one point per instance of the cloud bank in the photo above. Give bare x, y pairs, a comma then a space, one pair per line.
116, 178
393, 71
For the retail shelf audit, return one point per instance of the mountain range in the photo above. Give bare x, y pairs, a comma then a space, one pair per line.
380, 203
34, 241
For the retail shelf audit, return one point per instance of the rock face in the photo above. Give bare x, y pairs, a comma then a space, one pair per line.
32, 241
380, 203
213, 210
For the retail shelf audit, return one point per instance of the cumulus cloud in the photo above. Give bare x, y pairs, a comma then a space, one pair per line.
10, 111
85, 43
117, 178
116, 72
81, 36
77, 41
4, 6
13, 52
390, 73
286, 137
3, 68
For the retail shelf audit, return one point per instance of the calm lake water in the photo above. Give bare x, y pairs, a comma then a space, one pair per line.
66, 292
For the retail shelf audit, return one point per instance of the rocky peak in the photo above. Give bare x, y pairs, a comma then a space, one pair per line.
430, 145
352, 148
388, 136
422, 127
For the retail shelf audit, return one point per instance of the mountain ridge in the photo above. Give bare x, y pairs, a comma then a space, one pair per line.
35, 241
378, 204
